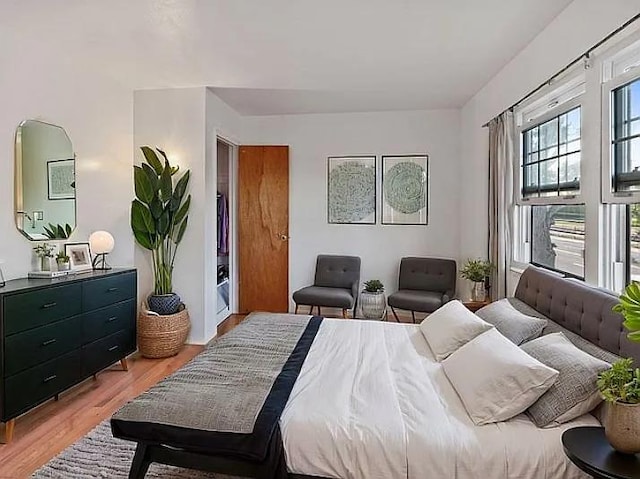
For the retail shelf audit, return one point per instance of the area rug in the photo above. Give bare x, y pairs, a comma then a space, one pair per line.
100, 455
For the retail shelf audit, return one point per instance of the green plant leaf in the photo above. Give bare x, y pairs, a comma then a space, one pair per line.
143, 187
151, 174
181, 186
50, 234
143, 239
634, 336
182, 212
69, 229
164, 222
141, 218
181, 230
156, 208
166, 185
152, 159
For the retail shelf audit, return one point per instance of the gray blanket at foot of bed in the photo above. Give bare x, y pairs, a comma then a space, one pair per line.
227, 401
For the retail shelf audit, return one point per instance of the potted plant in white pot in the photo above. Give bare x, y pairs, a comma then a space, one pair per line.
63, 261
372, 300
477, 271
159, 216
620, 385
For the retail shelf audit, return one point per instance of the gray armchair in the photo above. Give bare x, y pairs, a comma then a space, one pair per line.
424, 285
335, 286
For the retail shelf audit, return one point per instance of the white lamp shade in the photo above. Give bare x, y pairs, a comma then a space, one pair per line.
101, 242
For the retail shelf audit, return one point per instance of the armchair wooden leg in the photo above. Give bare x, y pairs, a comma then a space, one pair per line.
319, 312
311, 310
413, 317
296, 311
395, 315
9, 426
124, 364
344, 314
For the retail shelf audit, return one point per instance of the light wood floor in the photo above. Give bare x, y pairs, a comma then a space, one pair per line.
45, 431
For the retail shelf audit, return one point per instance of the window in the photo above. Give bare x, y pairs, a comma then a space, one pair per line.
625, 140
557, 238
551, 156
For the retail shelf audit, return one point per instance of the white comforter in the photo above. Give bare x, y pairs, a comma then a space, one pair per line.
372, 402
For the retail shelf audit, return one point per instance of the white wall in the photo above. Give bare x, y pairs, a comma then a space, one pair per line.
582, 24
312, 138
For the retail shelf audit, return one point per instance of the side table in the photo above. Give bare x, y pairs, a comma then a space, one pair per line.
588, 448
474, 306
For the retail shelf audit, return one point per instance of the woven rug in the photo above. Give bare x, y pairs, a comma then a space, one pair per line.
100, 455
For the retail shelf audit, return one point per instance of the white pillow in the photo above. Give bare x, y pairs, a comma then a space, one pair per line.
451, 326
495, 379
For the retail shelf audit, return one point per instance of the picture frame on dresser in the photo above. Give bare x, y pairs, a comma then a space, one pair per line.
57, 333
79, 256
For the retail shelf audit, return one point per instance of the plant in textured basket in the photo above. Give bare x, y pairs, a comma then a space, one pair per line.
374, 286
476, 270
621, 383
159, 216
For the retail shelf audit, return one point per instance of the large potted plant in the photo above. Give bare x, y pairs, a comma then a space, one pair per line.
372, 300
620, 385
477, 271
159, 216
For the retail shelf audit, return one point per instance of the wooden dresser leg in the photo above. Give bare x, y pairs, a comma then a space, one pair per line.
344, 314
8, 430
124, 364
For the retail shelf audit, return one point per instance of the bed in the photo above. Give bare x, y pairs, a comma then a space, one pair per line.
369, 400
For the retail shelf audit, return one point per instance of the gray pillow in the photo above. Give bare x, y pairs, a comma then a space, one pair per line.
575, 392
516, 326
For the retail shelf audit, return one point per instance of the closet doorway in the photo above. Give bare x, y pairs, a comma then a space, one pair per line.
263, 228
226, 244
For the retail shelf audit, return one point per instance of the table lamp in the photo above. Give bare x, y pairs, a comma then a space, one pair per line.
101, 244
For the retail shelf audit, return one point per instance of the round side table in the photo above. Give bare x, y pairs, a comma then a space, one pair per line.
588, 448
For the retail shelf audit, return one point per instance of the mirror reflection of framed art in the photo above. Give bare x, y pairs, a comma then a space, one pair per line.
405, 190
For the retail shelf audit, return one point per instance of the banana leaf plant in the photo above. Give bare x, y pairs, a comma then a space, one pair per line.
629, 307
159, 213
58, 231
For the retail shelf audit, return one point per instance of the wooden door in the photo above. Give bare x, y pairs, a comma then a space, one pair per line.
263, 228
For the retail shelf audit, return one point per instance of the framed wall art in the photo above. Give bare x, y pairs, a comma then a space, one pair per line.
405, 190
61, 181
79, 256
351, 190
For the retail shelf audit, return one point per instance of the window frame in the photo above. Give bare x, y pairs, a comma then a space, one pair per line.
609, 195
566, 274
553, 112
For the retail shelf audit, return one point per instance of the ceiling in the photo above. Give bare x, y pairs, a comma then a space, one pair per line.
289, 56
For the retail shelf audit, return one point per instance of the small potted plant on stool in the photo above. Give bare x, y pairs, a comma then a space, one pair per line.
477, 271
372, 300
620, 385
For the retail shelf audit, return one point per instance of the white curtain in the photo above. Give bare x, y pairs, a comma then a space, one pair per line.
501, 161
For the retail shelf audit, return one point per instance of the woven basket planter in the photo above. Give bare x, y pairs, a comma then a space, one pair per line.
162, 336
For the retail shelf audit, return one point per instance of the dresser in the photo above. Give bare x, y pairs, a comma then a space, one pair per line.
57, 333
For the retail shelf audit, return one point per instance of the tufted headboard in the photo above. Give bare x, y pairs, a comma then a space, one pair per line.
577, 307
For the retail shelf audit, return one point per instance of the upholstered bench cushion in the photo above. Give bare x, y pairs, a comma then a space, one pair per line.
324, 296
414, 300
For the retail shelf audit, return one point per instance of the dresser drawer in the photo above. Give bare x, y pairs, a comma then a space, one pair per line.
98, 293
24, 311
33, 386
26, 349
105, 321
104, 352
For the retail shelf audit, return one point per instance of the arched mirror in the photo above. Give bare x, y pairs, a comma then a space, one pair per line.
45, 181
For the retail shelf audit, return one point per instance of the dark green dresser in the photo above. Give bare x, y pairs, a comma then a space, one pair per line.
56, 333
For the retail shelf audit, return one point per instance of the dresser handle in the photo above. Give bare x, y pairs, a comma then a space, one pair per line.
50, 341
113, 348
112, 290
50, 378
49, 305
112, 318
